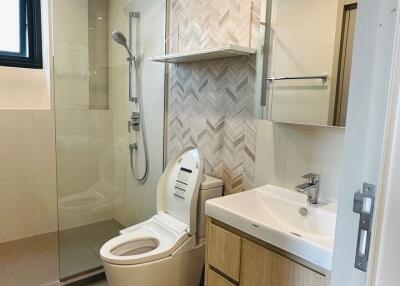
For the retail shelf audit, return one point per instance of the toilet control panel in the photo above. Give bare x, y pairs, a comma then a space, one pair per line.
182, 181
178, 189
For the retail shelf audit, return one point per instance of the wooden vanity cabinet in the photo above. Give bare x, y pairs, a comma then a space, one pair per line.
235, 258
216, 279
261, 266
224, 251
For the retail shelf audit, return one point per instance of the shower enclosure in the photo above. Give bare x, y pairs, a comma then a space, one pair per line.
95, 98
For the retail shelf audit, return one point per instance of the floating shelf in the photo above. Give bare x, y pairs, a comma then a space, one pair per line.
206, 54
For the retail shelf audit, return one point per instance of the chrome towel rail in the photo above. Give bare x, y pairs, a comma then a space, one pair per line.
323, 77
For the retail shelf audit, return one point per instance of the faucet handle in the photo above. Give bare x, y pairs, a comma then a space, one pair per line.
312, 178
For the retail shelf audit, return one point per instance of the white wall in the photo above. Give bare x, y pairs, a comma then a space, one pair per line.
28, 203
285, 152
24, 88
387, 248
137, 201
28, 193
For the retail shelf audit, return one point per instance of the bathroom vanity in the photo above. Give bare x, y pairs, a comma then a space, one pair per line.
234, 257
260, 237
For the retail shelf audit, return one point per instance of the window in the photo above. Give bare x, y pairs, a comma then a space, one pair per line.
20, 34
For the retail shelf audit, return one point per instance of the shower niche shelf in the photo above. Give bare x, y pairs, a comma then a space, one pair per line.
206, 54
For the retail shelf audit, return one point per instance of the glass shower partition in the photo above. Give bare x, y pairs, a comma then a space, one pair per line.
97, 193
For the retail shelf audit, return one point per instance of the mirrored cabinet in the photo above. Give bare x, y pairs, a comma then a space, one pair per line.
306, 61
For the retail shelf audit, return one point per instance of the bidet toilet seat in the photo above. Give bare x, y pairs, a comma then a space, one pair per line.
151, 240
168, 249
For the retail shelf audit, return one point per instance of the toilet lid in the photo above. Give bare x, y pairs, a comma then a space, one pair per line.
178, 188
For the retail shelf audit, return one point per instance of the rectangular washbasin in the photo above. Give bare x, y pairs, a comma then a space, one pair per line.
282, 218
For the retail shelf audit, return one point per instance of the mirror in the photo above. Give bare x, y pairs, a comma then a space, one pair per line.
306, 69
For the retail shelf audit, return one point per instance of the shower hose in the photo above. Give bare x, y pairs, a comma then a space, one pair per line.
134, 147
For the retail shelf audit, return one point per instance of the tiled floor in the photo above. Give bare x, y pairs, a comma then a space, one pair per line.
31, 261
98, 283
80, 247
34, 261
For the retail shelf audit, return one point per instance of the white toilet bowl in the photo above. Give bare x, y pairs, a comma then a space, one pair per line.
152, 254
169, 248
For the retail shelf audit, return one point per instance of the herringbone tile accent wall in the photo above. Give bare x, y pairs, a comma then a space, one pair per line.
211, 104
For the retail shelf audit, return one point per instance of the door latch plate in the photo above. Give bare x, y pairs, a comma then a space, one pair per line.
364, 205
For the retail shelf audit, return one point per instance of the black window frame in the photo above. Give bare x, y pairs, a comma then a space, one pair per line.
30, 21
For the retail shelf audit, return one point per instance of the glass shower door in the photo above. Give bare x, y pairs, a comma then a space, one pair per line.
97, 194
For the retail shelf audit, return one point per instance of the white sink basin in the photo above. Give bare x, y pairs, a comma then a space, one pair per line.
272, 214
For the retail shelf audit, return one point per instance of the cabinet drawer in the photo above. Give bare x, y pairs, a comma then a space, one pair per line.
214, 279
223, 251
261, 266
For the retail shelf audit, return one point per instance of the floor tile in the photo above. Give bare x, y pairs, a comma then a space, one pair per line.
31, 261
34, 261
98, 283
80, 247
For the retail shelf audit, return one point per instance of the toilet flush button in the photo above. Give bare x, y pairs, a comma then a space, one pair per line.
181, 185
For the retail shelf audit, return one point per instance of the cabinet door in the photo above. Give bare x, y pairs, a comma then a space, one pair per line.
214, 279
223, 251
260, 266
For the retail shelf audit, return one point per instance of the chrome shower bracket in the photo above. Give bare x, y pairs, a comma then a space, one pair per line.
133, 99
134, 14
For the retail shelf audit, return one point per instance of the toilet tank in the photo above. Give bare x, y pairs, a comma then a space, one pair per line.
209, 188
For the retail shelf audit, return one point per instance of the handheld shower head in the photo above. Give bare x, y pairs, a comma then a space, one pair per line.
119, 38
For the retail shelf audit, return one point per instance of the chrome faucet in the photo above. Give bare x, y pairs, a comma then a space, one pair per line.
311, 188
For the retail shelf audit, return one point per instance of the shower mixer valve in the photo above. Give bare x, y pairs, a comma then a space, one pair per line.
135, 115
134, 123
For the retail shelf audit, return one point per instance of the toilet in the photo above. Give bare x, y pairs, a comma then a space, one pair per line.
169, 248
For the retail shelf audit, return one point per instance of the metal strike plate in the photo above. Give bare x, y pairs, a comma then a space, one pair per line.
358, 202
364, 205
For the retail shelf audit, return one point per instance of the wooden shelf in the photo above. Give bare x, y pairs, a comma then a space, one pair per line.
206, 54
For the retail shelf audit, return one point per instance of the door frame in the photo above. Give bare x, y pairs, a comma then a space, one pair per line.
373, 96
387, 181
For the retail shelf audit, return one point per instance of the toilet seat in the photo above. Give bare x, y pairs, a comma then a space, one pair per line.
151, 240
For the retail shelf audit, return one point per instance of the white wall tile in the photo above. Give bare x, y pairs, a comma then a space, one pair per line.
287, 152
315, 150
27, 173
137, 201
45, 202
74, 182
17, 209
16, 156
43, 144
270, 153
